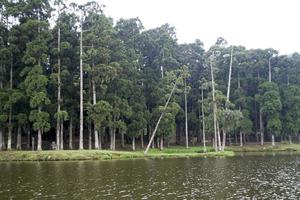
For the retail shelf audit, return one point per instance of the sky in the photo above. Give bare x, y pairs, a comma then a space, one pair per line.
251, 23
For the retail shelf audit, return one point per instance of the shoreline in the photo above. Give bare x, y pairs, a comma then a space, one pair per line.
173, 152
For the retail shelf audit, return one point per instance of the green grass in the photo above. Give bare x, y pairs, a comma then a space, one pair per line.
173, 152
265, 148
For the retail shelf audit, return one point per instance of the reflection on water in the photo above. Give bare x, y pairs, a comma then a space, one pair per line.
246, 177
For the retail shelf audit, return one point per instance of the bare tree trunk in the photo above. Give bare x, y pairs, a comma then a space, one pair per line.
290, 139
142, 139
19, 139
32, 143
114, 138
157, 142
229, 139
261, 128
241, 138
81, 90
100, 140
214, 107
203, 120
224, 140
62, 135
71, 133
9, 129
273, 140
219, 137
186, 120
161, 143
1, 139
28, 138
90, 135
230, 70
161, 116
133, 143
94, 103
39, 147
122, 139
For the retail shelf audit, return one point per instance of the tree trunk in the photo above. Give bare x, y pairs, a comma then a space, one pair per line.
62, 135
161, 116
1, 139
114, 139
229, 139
142, 139
186, 120
203, 121
19, 139
94, 103
32, 143
90, 135
219, 138
28, 138
161, 143
39, 147
241, 138
245, 138
96, 138
214, 107
157, 142
122, 139
236, 139
81, 90
224, 140
273, 140
100, 140
71, 133
133, 143
9, 130
58, 121
261, 128
290, 139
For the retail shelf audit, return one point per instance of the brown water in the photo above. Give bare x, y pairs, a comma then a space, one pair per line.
241, 177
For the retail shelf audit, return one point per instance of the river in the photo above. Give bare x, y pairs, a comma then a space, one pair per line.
239, 177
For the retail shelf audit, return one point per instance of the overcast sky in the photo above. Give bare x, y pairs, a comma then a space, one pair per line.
251, 23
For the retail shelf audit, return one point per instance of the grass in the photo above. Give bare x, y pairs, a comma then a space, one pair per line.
173, 152
265, 148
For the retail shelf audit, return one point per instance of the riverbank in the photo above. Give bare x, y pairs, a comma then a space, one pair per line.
265, 148
66, 155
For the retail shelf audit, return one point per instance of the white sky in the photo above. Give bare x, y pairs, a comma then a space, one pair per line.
251, 23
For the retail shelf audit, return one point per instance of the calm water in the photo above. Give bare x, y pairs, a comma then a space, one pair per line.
242, 177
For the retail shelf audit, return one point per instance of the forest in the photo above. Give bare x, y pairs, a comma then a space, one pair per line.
72, 78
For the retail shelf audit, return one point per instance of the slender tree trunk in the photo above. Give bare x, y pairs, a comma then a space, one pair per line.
133, 143
19, 138
90, 135
157, 142
39, 146
219, 137
62, 134
94, 103
100, 140
9, 129
214, 107
229, 78
161, 143
161, 116
28, 138
71, 133
261, 128
229, 139
290, 139
203, 120
273, 140
81, 90
122, 139
58, 120
142, 139
1, 139
235, 138
32, 143
186, 120
224, 140
241, 138
114, 138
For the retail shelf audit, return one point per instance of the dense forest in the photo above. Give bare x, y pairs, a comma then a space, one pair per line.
72, 78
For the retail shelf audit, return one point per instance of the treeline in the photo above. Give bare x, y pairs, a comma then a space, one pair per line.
89, 83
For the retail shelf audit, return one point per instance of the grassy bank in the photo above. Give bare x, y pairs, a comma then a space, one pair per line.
106, 155
265, 148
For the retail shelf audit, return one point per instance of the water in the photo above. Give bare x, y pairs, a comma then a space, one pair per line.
241, 177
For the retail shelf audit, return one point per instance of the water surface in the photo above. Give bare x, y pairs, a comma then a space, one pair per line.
240, 177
